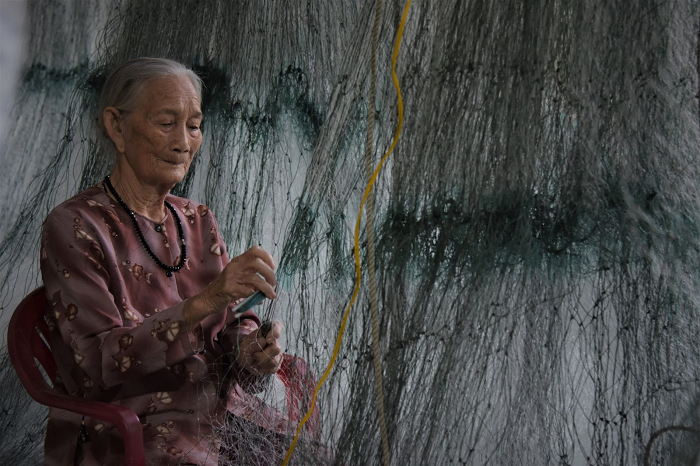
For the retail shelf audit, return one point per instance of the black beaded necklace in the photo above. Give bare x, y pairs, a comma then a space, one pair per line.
169, 269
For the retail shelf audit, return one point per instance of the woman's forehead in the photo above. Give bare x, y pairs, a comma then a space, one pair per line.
173, 95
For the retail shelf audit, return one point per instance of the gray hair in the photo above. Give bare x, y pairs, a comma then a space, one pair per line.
124, 85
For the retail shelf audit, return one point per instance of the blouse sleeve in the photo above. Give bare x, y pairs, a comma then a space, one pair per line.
111, 345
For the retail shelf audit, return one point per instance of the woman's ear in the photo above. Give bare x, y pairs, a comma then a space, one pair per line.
114, 125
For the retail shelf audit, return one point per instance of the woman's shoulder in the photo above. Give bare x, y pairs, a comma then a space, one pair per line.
91, 202
189, 208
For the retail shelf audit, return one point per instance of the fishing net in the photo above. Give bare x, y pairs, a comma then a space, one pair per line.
536, 230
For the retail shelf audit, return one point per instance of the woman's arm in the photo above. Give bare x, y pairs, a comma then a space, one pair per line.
253, 270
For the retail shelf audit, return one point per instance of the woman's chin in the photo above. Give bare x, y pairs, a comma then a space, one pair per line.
174, 172
170, 176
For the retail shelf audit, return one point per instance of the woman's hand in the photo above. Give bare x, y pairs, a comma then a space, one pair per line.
251, 271
261, 354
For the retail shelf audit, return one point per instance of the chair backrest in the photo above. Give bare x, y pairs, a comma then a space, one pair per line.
26, 345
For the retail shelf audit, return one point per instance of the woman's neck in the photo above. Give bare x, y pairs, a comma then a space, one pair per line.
147, 201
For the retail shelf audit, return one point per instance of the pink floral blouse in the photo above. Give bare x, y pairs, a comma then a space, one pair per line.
119, 332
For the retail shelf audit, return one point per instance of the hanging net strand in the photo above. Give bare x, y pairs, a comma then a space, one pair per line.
358, 272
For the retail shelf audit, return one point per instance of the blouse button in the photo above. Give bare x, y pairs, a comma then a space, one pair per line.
159, 228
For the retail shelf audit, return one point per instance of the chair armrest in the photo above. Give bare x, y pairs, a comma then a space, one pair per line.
123, 418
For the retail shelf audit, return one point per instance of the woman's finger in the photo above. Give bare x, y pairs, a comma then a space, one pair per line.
260, 253
263, 269
257, 267
237, 269
273, 351
268, 359
244, 291
258, 283
257, 343
274, 333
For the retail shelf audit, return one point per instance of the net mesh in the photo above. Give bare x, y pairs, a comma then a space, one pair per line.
537, 230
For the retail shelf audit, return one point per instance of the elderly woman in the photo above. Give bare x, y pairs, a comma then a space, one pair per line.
140, 287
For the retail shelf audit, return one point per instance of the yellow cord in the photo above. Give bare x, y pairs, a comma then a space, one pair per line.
369, 220
370, 185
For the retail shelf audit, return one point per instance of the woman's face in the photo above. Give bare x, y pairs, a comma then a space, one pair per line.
162, 135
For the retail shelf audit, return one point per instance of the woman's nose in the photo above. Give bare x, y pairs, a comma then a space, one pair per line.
181, 140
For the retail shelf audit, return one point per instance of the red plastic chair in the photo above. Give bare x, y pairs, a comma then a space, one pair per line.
300, 384
26, 346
